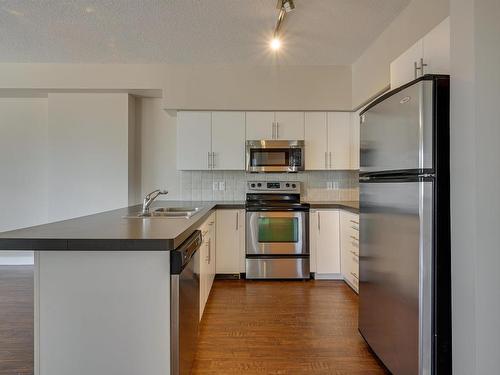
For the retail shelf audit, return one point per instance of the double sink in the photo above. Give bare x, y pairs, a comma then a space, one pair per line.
169, 212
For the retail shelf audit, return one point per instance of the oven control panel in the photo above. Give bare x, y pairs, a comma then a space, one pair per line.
274, 186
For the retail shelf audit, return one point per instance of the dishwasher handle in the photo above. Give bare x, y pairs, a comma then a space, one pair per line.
181, 256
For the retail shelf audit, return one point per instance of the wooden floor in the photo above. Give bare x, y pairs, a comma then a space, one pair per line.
16, 320
249, 327
269, 327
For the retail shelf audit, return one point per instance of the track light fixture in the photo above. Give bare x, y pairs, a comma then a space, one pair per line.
285, 6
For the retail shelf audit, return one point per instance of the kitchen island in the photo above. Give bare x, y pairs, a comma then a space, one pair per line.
102, 289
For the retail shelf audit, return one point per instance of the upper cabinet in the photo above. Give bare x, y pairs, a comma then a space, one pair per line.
210, 140
339, 144
275, 125
429, 55
329, 141
355, 122
316, 141
289, 125
194, 137
260, 125
228, 140
216, 140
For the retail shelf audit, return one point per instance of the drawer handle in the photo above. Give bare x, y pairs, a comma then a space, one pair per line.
356, 276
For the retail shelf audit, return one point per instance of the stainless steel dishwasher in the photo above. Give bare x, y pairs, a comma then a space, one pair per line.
185, 303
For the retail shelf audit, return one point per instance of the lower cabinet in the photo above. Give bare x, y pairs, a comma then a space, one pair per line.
207, 259
230, 252
325, 244
334, 245
349, 244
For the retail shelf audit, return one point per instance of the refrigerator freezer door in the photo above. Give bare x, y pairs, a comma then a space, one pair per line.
395, 291
396, 134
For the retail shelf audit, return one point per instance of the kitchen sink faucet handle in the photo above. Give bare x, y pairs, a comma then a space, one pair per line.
149, 198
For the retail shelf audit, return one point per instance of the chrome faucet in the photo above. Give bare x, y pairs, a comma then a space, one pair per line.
149, 198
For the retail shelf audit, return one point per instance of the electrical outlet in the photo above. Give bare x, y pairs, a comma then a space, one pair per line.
222, 185
215, 186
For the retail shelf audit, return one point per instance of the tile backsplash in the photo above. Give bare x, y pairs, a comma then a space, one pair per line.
231, 185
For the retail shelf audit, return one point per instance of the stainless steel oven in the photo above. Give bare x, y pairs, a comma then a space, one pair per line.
277, 231
274, 156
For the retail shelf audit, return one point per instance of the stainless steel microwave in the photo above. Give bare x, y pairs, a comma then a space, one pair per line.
275, 156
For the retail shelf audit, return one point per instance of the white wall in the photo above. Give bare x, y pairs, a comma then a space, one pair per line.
198, 86
88, 154
371, 72
157, 143
475, 181
23, 167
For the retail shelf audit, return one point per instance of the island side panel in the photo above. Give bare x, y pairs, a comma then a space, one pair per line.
103, 312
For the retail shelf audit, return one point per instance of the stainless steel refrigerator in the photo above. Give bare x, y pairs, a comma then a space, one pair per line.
405, 282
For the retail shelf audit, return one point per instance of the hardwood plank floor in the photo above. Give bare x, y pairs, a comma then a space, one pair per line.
16, 320
249, 327
292, 327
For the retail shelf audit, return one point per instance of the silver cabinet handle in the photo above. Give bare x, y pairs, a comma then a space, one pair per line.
419, 68
326, 160
319, 221
330, 160
237, 220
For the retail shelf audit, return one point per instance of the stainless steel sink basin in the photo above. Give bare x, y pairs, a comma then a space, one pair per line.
172, 212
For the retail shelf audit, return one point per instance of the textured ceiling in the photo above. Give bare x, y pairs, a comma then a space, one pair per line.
318, 32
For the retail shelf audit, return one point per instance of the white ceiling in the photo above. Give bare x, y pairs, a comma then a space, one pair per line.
318, 32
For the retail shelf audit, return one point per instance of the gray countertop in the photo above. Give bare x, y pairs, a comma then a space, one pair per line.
113, 230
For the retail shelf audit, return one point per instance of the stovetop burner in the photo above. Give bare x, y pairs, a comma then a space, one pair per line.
274, 196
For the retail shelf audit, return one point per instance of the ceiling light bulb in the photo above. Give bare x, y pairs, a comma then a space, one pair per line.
275, 44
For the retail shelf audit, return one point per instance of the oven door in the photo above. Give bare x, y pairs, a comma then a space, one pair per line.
277, 233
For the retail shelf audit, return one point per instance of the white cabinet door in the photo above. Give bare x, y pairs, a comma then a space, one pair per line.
193, 140
289, 125
228, 242
212, 256
241, 236
339, 140
203, 275
316, 141
403, 68
355, 140
228, 140
328, 243
259, 125
313, 239
436, 47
